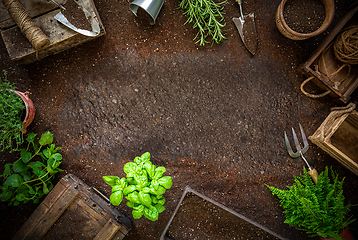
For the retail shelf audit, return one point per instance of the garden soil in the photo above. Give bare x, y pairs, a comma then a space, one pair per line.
213, 115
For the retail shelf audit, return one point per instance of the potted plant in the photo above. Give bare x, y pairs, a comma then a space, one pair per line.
293, 29
143, 187
318, 209
17, 112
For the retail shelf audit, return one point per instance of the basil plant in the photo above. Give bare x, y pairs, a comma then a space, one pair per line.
143, 187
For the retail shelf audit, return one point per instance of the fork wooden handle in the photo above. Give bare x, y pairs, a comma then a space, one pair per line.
314, 175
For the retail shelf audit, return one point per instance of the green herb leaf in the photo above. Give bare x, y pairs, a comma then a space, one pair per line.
57, 156
138, 212
129, 189
145, 199
19, 166
45, 189
7, 170
31, 137
159, 171
25, 155
46, 138
133, 197
160, 208
14, 180
150, 168
20, 197
130, 169
111, 180
166, 182
151, 213
116, 198
5, 195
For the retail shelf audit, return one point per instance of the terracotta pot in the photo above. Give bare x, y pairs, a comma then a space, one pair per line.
346, 234
30, 108
289, 33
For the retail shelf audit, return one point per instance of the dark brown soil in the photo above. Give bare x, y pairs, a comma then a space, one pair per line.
304, 16
76, 16
143, 17
198, 219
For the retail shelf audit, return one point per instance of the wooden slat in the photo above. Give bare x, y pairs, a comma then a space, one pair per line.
108, 230
33, 8
44, 218
61, 37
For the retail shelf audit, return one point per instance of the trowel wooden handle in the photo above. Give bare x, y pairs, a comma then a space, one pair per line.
238, 1
314, 175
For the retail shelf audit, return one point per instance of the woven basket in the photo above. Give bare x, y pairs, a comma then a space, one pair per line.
289, 33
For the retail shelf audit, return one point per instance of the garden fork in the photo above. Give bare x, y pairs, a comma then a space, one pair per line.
300, 151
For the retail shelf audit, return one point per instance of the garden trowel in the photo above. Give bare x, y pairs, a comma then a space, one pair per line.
247, 29
89, 17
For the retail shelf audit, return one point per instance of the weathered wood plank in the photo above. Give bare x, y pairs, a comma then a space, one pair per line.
61, 37
33, 8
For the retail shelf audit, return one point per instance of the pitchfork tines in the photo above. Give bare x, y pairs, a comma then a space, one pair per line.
300, 151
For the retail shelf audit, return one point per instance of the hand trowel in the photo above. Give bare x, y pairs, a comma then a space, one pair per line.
89, 17
247, 29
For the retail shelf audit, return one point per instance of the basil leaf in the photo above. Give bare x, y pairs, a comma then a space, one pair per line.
160, 191
130, 169
159, 171
122, 182
20, 197
141, 180
150, 168
145, 199
166, 182
160, 208
116, 198
110, 180
145, 157
151, 213
138, 212
129, 189
133, 197
57, 156
155, 184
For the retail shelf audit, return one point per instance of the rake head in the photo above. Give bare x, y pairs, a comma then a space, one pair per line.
300, 151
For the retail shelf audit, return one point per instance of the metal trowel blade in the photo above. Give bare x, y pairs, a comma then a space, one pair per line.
94, 23
247, 31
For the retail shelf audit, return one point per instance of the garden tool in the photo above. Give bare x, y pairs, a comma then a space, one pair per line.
89, 17
247, 30
300, 151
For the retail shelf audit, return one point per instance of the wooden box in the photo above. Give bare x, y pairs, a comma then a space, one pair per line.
322, 66
42, 13
74, 210
338, 136
199, 217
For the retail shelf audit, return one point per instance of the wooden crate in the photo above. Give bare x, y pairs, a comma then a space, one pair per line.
42, 13
74, 210
338, 136
203, 218
314, 67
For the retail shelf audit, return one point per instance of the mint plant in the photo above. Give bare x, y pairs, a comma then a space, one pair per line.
143, 187
27, 179
11, 125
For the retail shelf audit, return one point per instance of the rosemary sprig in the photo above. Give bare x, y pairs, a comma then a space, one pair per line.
207, 17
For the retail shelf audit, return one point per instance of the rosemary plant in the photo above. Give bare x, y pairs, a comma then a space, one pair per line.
11, 125
207, 16
318, 209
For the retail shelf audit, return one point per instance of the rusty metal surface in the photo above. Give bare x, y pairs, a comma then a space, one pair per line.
213, 116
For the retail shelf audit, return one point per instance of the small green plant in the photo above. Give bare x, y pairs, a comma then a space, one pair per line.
11, 125
27, 179
143, 187
207, 16
318, 209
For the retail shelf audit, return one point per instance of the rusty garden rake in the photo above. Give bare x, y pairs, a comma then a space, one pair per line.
300, 151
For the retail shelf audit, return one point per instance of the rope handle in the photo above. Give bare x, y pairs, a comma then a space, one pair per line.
310, 94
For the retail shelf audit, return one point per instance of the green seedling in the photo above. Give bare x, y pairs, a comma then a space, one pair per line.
143, 187
26, 179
